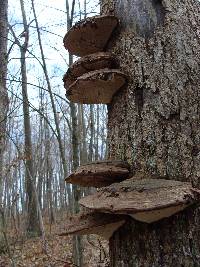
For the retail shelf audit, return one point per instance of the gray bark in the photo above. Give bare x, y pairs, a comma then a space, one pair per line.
154, 121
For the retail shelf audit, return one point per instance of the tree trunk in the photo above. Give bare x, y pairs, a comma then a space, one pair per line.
33, 224
3, 90
3, 73
154, 122
82, 134
77, 246
90, 156
44, 66
97, 135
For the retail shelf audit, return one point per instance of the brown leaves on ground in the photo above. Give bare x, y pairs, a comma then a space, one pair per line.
30, 252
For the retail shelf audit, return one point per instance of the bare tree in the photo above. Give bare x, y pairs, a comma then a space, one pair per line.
77, 248
44, 66
3, 74
33, 223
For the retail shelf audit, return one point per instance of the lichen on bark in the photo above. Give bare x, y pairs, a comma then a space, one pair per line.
154, 122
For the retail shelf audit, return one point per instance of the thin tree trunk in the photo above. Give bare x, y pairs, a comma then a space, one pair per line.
154, 123
3, 74
33, 224
49, 174
77, 246
40, 161
84, 155
91, 133
59, 137
97, 136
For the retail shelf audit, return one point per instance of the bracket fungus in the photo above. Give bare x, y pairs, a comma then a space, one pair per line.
88, 63
96, 87
99, 173
90, 35
94, 223
146, 200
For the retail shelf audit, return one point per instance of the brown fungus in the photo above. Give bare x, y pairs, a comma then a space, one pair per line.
88, 63
96, 87
90, 35
146, 200
99, 173
100, 224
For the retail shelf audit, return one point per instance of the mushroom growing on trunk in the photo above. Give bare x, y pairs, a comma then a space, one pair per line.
94, 223
96, 87
146, 200
99, 173
88, 63
90, 35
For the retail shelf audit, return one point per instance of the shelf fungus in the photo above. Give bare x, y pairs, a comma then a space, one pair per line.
99, 173
96, 87
88, 63
94, 223
90, 35
146, 200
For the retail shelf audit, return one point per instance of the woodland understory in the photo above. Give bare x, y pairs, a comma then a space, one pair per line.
46, 136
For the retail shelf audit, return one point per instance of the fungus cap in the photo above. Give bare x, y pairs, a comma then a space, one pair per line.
94, 223
90, 35
96, 87
99, 173
88, 63
146, 200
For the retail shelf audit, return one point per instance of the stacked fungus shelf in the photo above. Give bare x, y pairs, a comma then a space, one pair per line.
90, 35
93, 79
99, 173
146, 200
97, 61
94, 223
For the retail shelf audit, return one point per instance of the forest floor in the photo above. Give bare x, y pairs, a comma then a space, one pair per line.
31, 253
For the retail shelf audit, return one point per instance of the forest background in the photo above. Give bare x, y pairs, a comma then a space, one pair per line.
47, 136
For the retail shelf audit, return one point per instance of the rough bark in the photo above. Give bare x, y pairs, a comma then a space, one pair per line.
154, 122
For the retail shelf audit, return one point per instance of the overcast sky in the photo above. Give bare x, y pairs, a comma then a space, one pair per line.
52, 21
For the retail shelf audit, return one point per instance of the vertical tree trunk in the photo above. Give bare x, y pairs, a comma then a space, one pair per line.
49, 173
154, 122
59, 136
97, 135
82, 135
90, 156
77, 246
3, 73
33, 224
40, 172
